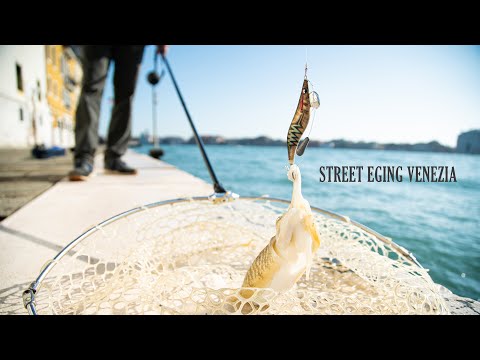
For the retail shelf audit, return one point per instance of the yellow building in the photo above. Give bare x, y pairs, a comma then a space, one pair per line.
64, 75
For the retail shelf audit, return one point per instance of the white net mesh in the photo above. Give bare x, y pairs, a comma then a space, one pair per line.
191, 258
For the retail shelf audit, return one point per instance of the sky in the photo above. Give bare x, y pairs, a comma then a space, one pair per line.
400, 94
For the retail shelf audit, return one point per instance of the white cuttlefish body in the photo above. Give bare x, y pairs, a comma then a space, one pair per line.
290, 252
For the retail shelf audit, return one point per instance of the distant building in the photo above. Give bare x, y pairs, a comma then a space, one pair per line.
208, 140
469, 142
144, 138
329, 145
39, 90
64, 74
24, 115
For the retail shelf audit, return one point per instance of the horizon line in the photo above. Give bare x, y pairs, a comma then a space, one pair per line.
311, 139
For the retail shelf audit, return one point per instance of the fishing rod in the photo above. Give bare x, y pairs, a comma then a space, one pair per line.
216, 184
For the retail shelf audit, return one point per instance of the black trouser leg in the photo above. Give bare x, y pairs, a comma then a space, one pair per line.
127, 60
95, 62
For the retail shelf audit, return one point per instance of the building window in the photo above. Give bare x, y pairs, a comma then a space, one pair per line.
39, 90
54, 55
21, 114
63, 64
66, 99
19, 78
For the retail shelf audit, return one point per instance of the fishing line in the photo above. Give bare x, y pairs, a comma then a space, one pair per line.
306, 61
313, 122
314, 112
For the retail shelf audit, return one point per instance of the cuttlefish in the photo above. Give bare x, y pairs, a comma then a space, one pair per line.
289, 253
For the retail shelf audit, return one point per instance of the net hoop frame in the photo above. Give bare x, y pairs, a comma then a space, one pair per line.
29, 294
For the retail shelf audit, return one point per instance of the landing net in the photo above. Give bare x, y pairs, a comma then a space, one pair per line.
190, 257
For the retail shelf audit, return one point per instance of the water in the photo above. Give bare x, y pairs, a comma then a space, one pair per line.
438, 222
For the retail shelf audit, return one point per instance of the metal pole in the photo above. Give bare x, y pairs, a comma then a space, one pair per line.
154, 104
216, 184
154, 117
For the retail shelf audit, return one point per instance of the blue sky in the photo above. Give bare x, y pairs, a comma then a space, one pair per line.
370, 93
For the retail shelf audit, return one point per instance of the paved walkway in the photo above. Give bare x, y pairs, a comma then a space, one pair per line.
39, 230
22, 177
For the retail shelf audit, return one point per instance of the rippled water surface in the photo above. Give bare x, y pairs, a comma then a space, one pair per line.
438, 222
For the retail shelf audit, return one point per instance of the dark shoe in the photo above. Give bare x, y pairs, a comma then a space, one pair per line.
117, 166
82, 170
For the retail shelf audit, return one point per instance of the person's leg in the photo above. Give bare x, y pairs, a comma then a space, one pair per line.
95, 62
127, 60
